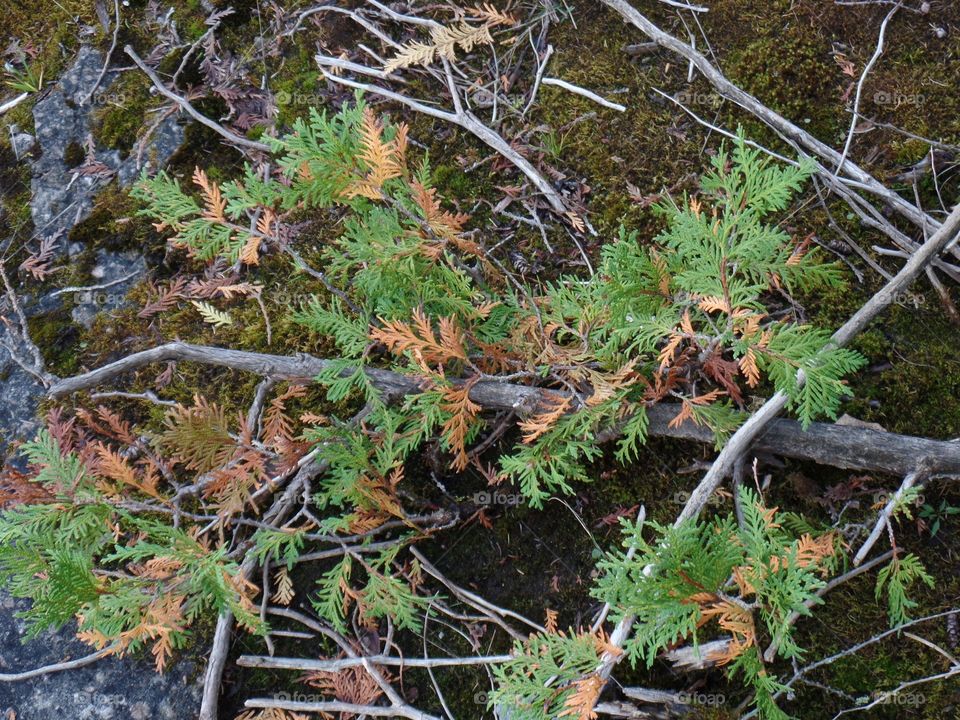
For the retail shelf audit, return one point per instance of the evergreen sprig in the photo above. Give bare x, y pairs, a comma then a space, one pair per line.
750, 578
692, 304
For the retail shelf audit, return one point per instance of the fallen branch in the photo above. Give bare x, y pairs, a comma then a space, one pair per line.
824, 443
332, 706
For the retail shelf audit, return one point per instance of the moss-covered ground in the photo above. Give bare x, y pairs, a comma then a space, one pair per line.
791, 54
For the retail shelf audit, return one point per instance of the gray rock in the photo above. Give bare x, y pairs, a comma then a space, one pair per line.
21, 395
109, 689
110, 267
21, 391
62, 198
164, 142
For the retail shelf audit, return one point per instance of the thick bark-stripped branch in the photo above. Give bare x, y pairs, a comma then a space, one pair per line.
825, 443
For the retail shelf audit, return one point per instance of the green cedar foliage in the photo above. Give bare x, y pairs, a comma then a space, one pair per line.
549, 675
129, 579
749, 578
684, 319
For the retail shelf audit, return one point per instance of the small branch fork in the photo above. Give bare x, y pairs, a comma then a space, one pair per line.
465, 119
461, 113
883, 521
191, 110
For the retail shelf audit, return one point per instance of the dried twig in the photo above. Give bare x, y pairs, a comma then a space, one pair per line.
12, 103
58, 667
34, 364
863, 78
308, 664
884, 518
790, 132
590, 95
468, 121
332, 706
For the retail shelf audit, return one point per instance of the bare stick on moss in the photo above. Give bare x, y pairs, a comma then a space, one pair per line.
13, 102
883, 520
860, 83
